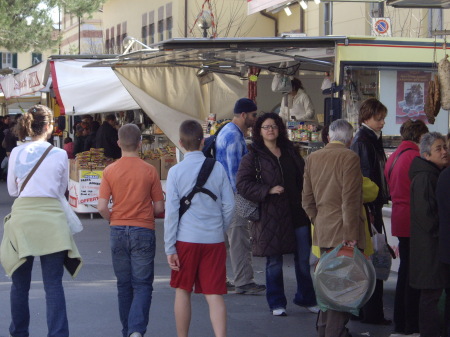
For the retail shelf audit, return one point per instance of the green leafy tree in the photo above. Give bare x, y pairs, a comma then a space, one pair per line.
28, 25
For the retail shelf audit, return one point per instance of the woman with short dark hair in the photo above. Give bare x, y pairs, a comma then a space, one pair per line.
406, 304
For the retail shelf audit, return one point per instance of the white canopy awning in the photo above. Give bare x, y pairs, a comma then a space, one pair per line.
82, 91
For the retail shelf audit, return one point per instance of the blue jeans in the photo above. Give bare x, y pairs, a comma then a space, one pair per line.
305, 295
52, 273
133, 254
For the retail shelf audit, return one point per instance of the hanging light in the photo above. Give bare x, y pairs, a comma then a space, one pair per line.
303, 4
317, 2
287, 11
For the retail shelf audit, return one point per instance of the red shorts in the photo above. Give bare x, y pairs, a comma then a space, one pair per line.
202, 265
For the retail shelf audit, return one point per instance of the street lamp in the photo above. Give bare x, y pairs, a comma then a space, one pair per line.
205, 22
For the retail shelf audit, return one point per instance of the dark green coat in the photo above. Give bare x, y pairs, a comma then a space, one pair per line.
426, 269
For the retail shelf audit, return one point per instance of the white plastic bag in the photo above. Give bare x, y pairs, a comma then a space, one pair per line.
73, 221
281, 83
344, 280
381, 258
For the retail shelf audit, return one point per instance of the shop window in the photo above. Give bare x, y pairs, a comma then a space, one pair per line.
328, 18
151, 33
36, 58
169, 27
161, 30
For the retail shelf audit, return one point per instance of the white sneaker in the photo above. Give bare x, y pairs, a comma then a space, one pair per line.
279, 312
313, 309
136, 334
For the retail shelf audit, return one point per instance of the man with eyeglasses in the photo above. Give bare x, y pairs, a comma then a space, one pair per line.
230, 148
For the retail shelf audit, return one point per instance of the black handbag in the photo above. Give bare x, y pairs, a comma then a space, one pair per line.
245, 208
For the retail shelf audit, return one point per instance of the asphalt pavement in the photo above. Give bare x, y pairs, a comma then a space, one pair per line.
92, 296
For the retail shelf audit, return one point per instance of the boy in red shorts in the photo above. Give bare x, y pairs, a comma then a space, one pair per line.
194, 242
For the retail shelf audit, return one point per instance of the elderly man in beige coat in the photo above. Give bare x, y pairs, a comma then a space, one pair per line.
332, 198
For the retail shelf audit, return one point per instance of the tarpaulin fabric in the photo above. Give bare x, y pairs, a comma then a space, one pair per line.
181, 89
82, 91
25, 83
167, 119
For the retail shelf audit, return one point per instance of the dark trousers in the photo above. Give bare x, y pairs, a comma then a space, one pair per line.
372, 311
406, 304
332, 324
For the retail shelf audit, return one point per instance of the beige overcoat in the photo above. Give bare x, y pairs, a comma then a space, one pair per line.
332, 196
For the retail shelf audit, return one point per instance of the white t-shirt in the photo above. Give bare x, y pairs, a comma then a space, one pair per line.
50, 179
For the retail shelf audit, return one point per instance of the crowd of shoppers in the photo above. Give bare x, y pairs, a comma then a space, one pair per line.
326, 192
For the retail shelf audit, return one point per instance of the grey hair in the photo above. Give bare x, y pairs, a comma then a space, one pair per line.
427, 141
341, 131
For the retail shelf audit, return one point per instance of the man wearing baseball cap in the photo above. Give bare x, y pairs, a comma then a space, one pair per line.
230, 148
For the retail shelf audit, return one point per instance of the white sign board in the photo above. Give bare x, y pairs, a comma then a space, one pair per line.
255, 6
381, 27
25, 83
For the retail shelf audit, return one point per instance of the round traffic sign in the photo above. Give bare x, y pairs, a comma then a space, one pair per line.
381, 26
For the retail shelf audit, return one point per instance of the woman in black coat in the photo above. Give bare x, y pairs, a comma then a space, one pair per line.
427, 272
283, 227
368, 144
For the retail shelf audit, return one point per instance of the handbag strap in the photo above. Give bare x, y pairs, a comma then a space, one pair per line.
257, 167
395, 160
35, 168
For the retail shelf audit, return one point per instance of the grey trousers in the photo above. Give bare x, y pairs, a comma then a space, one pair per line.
332, 324
240, 250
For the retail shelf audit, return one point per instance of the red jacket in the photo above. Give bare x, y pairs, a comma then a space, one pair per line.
399, 183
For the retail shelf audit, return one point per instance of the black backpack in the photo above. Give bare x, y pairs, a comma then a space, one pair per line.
203, 176
209, 148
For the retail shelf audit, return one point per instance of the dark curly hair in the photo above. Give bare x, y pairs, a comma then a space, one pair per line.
282, 139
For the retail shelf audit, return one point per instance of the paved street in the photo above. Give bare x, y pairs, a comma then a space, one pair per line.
92, 300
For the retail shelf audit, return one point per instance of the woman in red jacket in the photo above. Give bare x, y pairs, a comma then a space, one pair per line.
406, 304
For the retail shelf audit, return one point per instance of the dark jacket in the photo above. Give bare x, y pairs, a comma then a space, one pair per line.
443, 201
90, 141
106, 138
373, 159
426, 270
274, 233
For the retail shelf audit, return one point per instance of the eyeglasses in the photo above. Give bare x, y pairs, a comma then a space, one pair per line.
267, 127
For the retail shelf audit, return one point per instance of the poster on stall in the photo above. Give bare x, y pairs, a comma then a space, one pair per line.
89, 187
412, 87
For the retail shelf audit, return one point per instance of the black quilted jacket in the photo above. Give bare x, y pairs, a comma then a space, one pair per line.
273, 234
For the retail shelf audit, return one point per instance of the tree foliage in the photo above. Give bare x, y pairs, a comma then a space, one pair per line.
28, 25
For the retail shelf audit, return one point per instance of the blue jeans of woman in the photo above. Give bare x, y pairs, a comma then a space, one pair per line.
133, 253
305, 295
52, 266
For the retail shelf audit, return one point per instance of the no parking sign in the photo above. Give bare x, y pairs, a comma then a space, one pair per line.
381, 27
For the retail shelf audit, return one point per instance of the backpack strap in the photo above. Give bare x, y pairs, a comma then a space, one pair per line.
203, 175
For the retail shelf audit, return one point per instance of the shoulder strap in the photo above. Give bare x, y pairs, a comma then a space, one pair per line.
395, 160
203, 175
35, 168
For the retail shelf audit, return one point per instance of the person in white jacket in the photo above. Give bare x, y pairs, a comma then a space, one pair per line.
297, 104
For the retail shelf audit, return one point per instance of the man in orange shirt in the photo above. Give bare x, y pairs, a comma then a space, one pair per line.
137, 195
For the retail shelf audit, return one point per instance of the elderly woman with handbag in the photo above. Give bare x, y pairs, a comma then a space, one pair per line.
38, 177
283, 226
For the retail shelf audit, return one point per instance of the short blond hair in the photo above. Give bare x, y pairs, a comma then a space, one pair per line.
129, 137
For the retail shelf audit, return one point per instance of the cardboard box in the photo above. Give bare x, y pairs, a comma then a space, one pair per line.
73, 170
156, 163
166, 163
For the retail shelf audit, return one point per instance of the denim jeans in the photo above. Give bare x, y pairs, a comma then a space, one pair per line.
133, 254
305, 295
52, 273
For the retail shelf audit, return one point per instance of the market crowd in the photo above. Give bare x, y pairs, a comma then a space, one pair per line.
326, 193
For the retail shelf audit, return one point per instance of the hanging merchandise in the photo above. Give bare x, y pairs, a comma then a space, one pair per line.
253, 73
433, 100
444, 81
204, 16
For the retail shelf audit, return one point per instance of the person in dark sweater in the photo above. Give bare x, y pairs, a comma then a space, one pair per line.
90, 140
107, 137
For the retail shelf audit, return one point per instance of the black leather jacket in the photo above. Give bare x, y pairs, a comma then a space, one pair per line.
373, 159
